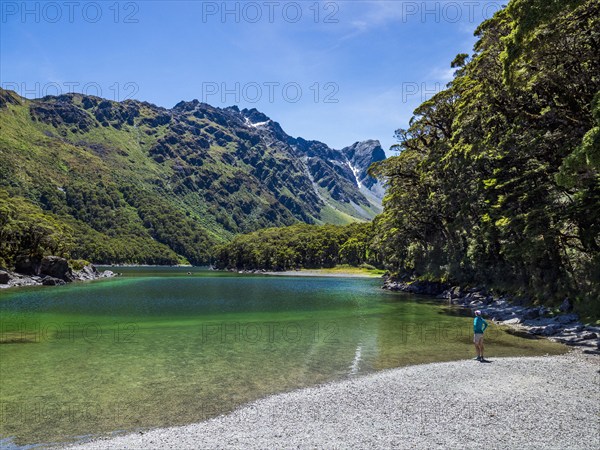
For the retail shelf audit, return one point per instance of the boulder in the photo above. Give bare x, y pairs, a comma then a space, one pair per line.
24, 280
569, 339
88, 272
539, 322
593, 352
56, 267
455, 292
27, 265
588, 336
543, 311
500, 316
426, 287
537, 330
567, 318
532, 313
4, 277
51, 281
514, 321
521, 301
488, 300
551, 329
416, 287
566, 306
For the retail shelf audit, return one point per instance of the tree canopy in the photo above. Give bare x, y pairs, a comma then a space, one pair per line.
497, 177
300, 246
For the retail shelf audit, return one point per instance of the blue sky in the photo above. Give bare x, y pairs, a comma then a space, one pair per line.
334, 71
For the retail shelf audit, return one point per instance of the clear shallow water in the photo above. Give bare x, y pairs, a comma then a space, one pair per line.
160, 347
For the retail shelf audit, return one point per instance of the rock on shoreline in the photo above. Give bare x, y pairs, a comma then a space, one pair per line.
505, 310
47, 271
415, 287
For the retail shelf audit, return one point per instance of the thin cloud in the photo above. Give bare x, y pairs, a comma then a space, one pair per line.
442, 74
370, 15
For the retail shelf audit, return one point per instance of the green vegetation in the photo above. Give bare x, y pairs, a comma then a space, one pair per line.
27, 229
497, 180
63, 195
78, 264
300, 246
130, 182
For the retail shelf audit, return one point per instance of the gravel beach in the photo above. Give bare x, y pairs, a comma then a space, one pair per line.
541, 402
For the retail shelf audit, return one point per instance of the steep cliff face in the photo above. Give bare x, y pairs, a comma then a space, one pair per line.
331, 171
360, 156
182, 177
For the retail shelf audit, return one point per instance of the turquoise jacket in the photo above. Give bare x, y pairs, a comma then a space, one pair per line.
479, 325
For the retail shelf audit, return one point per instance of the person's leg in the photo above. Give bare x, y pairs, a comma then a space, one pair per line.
477, 348
481, 348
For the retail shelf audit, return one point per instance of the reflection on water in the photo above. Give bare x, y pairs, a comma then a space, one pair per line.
159, 347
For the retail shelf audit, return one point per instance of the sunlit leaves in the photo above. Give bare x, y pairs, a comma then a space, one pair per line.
497, 178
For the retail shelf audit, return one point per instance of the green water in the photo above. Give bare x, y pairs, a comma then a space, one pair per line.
160, 347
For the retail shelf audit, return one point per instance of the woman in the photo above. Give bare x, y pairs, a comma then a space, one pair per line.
479, 326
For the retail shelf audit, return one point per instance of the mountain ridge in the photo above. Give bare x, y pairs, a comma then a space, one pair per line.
125, 168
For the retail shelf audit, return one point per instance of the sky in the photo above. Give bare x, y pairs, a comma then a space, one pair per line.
333, 71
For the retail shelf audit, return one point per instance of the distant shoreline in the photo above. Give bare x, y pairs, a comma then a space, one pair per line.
145, 265
323, 273
337, 272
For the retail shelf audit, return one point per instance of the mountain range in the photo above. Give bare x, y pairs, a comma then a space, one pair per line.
132, 182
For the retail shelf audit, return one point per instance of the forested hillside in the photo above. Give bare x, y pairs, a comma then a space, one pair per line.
300, 246
497, 179
131, 182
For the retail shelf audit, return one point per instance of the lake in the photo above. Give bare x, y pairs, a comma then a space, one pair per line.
159, 347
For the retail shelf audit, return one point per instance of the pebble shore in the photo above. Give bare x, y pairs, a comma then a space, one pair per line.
527, 403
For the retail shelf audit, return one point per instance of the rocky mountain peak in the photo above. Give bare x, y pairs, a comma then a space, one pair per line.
254, 116
360, 156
